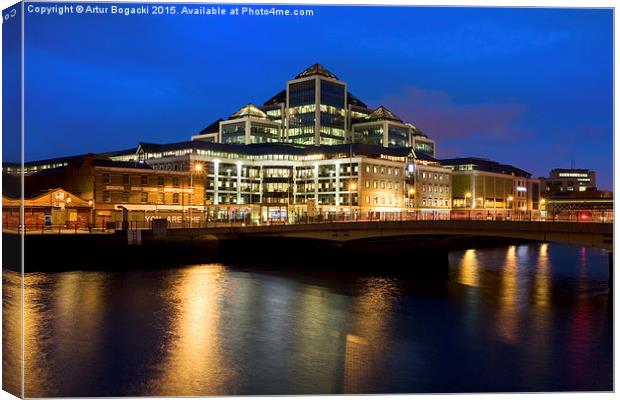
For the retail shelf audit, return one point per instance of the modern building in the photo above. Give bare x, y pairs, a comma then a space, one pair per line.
290, 182
566, 180
316, 108
489, 190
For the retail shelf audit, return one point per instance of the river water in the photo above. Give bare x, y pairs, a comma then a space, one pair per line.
533, 317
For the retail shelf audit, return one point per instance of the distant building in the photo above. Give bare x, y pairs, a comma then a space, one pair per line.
563, 180
487, 189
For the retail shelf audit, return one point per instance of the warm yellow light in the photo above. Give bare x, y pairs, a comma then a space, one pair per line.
412, 191
510, 198
353, 186
468, 195
543, 201
197, 167
68, 199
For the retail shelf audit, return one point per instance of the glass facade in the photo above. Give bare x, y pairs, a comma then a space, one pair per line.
425, 147
398, 136
302, 111
233, 133
372, 134
332, 112
263, 133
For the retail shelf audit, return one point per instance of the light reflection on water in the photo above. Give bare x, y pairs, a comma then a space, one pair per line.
520, 318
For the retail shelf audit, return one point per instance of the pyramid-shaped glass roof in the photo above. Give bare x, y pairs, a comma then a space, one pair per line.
249, 110
316, 69
382, 113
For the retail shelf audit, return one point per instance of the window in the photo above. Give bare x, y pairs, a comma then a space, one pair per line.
125, 197
161, 198
175, 182
368, 184
144, 180
106, 178
368, 199
106, 196
144, 197
374, 169
126, 179
368, 168
376, 200
175, 198
160, 180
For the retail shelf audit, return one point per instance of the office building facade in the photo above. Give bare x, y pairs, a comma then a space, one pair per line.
486, 189
567, 180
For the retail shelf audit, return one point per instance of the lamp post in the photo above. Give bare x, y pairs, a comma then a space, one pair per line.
197, 168
510, 199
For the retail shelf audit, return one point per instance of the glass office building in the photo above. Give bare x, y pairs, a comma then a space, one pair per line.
316, 108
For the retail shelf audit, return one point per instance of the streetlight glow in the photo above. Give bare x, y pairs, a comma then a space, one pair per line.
197, 167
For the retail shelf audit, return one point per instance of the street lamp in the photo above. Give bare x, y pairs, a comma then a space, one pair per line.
197, 168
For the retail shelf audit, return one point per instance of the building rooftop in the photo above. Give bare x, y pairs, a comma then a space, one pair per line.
214, 127
382, 113
316, 69
279, 148
280, 97
482, 164
250, 110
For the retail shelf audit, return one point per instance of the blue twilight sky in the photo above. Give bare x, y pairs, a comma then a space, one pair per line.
529, 87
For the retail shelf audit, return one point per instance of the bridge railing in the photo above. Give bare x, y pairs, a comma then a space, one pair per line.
109, 227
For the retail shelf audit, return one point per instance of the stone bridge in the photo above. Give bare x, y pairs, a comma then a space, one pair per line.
585, 234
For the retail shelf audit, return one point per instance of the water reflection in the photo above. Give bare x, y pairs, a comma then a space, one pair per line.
371, 313
517, 318
508, 316
12, 333
194, 360
468, 273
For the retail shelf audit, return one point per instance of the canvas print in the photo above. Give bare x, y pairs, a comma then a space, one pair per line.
204, 199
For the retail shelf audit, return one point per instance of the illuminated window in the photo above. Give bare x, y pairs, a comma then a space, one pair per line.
175, 198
